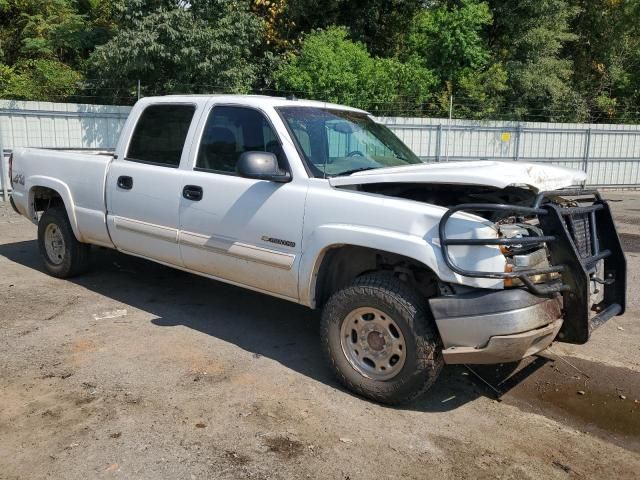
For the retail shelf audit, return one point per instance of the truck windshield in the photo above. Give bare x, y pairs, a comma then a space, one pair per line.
340, 142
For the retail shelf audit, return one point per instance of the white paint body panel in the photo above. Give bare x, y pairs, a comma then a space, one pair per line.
78, 178
226, 234
144, 220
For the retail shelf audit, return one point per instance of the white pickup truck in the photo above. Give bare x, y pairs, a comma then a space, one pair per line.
413, 265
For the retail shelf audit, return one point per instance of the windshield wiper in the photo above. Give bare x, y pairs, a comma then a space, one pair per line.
355, 170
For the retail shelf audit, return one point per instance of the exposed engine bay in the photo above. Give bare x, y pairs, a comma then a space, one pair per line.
562, 242
449, 195
519, 256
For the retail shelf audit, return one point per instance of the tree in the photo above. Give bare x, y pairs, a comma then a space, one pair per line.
607, 58
379, 24
208, 46
529, 37
40, 45
333, 68
449, 39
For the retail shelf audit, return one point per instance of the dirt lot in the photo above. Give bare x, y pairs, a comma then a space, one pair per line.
138, 371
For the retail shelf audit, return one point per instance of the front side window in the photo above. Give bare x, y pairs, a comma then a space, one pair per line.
160, 134
341, 142
231, 131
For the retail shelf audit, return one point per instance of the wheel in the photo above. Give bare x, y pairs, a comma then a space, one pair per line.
64, 256
380, 339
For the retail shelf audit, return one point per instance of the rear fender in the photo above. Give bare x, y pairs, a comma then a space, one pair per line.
61, 189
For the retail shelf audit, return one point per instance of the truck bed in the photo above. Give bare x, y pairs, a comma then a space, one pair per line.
79, 177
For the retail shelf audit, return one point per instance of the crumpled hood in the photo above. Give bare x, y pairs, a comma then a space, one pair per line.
490, 173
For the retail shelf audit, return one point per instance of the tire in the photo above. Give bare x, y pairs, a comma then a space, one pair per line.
63, 255
389, 301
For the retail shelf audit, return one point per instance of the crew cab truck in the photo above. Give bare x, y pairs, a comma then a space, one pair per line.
414, 265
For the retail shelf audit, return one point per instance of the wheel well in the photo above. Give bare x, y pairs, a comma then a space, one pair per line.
341, 265
44, 198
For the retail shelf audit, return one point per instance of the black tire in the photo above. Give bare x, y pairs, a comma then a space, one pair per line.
74, 258
410, 311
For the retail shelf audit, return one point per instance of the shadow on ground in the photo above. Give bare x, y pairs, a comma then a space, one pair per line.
264, 325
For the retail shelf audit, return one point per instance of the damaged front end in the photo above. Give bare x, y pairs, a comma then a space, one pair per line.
562, 244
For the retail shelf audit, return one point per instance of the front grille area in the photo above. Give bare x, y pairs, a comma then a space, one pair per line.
580, 234
579, 226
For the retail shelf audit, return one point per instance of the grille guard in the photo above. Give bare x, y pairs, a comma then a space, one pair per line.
569, 256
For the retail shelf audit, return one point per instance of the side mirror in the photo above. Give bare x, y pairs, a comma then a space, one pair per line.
261, 166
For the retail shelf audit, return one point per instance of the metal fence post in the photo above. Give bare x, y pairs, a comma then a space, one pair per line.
4, 182
587, 148
438, 142
518, 133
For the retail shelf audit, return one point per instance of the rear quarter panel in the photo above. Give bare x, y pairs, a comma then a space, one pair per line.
77, 177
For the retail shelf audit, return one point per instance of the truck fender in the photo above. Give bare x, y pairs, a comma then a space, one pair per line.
323, 239
61, 189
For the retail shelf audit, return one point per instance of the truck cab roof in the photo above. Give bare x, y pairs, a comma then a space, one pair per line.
260, 101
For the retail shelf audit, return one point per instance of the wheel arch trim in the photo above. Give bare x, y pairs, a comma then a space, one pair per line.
322, 241
62, 190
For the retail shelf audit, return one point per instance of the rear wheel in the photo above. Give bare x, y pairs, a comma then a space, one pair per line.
380, 339
64, 256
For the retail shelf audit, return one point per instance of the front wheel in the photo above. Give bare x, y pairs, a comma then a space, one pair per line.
64, 256
380, 339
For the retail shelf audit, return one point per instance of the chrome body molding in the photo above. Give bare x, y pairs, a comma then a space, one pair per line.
224, 246
144, 228
214, 244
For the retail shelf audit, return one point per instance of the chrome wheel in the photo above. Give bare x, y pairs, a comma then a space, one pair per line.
373, 343
54, 244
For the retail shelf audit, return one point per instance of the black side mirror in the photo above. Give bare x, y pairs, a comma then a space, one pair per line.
261, 166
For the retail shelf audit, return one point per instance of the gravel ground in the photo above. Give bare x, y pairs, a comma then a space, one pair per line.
135, 370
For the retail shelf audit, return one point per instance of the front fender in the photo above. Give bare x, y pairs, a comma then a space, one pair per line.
425, 249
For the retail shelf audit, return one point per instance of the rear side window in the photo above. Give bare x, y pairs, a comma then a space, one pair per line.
160, 134
231, 131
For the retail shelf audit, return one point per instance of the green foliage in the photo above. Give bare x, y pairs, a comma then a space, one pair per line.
482, 92
41, 79
607, 59
530, 36
548, 60
178, 49
336, 69
40, 29
379, 24
448, 38
41, 41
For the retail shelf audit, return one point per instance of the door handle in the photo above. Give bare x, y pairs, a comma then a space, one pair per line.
192, 192
125, 182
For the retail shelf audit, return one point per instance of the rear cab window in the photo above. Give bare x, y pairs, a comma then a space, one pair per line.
160, 134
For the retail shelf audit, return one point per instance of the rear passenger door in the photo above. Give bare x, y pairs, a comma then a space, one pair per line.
241, 230
144, 186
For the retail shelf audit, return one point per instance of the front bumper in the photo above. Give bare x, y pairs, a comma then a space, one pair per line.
488, 326
580, 236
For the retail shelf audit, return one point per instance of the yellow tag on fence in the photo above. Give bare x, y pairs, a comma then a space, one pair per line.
505, 137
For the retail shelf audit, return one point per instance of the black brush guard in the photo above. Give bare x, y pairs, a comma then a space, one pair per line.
577, 238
